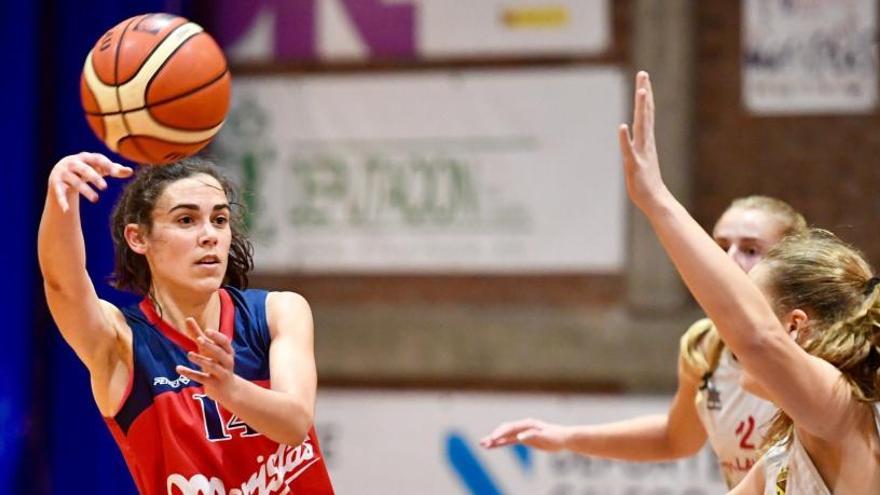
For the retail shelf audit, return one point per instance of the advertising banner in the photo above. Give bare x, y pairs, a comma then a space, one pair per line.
809, 57
477, 171
363, 30
398, 442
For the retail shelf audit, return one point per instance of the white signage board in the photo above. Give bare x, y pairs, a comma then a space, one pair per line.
349, 30
477, 171
399, 442
809, 56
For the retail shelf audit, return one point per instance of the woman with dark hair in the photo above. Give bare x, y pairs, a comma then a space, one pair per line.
207, 386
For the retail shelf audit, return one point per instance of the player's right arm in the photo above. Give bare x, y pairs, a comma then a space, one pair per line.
753, 483
646, 438
85, 322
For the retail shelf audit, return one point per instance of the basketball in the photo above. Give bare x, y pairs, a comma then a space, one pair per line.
155, 88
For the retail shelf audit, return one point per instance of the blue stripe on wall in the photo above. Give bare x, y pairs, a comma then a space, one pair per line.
17, 249
470, 470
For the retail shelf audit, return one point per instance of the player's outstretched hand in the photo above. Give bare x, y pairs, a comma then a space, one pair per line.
639, 149
215, 357
80, 173
532, 432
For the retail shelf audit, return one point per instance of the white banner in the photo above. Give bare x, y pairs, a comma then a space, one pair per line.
809, 56
394, 442
414, 29
479, 171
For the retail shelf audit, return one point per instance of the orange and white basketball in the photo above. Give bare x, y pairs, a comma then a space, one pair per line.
155, 88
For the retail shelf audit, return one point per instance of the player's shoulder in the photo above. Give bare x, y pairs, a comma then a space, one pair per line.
114, 315
288, 313
286, 301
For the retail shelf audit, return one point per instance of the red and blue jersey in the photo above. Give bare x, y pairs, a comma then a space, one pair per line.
177, 440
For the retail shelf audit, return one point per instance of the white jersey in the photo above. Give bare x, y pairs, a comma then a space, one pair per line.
735, 420
790, 471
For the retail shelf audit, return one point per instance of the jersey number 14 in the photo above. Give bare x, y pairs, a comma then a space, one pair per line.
215, 429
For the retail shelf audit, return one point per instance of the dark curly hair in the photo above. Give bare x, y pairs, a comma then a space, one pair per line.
136, 206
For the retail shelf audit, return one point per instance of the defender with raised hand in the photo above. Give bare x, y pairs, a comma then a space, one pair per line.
804, 324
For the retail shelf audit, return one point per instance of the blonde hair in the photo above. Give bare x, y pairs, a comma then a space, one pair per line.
831, 281
700, 347
792, 221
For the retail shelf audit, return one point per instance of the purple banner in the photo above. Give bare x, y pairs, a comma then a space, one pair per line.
387, 31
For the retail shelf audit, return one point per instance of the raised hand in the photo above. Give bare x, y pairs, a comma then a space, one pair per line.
532, 432
215, 357
641, 166
80, 173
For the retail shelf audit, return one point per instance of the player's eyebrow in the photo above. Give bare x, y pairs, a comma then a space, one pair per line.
190, 206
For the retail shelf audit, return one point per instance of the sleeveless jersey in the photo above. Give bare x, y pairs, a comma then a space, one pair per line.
735, 420
790, 471
176, 440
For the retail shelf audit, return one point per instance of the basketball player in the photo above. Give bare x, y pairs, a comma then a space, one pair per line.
804, 324
207, 387
709, 401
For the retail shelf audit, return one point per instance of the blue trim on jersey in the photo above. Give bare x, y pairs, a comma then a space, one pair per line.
155, 356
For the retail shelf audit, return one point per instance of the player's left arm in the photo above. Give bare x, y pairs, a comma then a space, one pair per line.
292, 357
285, 412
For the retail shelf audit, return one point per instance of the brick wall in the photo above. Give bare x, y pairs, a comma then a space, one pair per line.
828, 167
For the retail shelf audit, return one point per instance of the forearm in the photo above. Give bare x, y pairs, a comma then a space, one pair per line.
281, 416
60, 246
645, 438
740, 311
70, 294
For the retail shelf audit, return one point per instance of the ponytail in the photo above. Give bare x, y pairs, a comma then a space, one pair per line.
700, 349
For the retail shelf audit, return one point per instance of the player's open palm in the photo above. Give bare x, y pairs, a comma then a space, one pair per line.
215, 358
82, 173
639, 149
532, 432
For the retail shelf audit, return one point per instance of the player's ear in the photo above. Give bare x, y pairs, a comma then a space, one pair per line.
798, 324
136, 238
